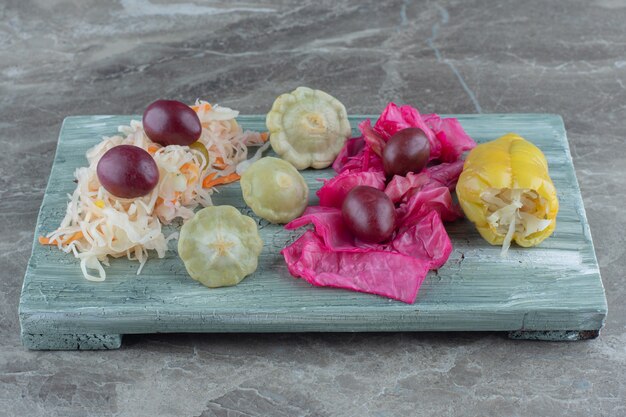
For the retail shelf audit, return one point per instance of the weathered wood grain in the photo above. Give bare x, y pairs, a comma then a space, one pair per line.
553, 287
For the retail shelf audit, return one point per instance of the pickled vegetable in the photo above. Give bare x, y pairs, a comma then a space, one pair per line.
170, 122
127, 171
408, 150
274, 190
220, 246
506, 191
308, 127
330, 255
369, 214
199, 146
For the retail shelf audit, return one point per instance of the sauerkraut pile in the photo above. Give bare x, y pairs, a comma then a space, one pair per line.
98, 225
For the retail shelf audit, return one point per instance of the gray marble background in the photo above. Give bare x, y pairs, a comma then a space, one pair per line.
60, 58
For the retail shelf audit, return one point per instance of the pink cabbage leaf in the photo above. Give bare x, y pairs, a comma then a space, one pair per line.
447, 138
329, 226
420, 204
334, 190
426, 239
442, 175
450, 134
388, 274
329, 255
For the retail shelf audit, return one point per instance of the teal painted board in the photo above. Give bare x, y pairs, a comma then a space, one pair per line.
541, 293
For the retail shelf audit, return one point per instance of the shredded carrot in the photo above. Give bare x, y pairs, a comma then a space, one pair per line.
152, 149
46, 241
76, 236
219, 163
265, 136
209, 181
192, 168
186, 166
205, 107
160, 200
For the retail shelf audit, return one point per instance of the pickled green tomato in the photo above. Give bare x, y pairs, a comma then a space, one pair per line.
220, 246
274, 190
308, 127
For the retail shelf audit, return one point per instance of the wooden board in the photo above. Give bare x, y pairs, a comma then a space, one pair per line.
552, 292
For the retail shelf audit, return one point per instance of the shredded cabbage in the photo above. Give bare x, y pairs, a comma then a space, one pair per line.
98, 225
514, 211
245, 164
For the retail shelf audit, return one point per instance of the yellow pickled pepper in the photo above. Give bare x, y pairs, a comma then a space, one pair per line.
505, 190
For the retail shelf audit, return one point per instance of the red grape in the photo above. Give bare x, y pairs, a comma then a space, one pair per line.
170, 122
127, 171
406, 151
369, 214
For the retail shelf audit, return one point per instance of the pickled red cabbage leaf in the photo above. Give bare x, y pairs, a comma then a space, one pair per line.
426, 240
450, 135
420, 204
388, 274
442, 175
358, 156
329, 255
329, 226
350, 156
334, 190
395, 118
447, 138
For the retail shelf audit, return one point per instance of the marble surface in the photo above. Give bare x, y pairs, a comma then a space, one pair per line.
60, 58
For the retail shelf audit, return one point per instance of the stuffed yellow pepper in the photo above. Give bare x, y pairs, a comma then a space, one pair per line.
505, 190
